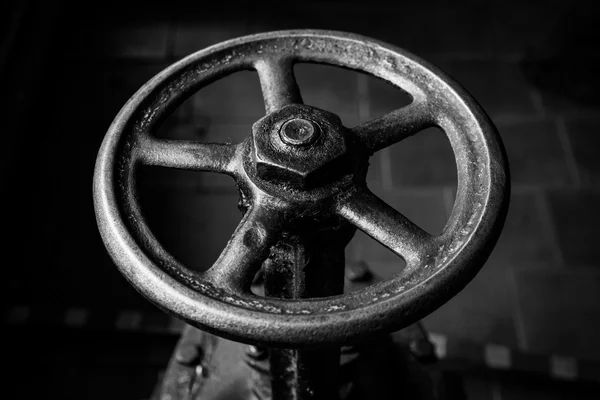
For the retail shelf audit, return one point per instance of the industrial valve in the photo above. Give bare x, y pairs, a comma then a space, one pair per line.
301, 175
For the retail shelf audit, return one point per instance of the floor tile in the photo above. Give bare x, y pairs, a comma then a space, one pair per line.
482, 312
425, 159
584, 140
560, 311
527, 236
523, 389
555, 104
513, 30
462, 28
563, 66
233, 99
536, 155
193, 226
499, 86
576, 217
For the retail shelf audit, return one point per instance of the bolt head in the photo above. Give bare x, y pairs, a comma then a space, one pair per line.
298, 145
299, 132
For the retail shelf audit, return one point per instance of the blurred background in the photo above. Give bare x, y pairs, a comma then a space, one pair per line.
75, 329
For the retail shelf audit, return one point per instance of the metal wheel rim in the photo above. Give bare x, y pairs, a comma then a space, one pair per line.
475, 223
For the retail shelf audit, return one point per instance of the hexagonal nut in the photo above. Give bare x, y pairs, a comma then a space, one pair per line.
303, 166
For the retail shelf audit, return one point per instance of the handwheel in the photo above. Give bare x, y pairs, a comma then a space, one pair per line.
299, 167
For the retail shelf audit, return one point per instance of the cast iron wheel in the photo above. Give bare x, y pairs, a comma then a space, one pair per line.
220, 299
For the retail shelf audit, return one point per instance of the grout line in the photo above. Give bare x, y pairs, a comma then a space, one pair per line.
563, 136
519, 322
551, 233
386, 169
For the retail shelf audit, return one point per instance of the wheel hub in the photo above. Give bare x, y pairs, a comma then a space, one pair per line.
299, 146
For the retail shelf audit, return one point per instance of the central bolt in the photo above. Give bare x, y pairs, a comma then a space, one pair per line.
299, 132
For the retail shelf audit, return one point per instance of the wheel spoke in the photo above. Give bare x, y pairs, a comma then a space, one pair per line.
245, 252
197, 156
394, 126
278, 83
386, 225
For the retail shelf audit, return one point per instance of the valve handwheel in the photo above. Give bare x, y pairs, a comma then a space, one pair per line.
301, 166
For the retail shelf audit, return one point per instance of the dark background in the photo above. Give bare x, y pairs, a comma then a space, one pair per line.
74, 327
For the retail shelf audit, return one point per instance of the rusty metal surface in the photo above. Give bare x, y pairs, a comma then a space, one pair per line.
373, 370
213, 369
235, 371
301, 266
302, 165
220, 300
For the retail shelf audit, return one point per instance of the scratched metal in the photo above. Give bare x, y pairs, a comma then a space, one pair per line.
220, 300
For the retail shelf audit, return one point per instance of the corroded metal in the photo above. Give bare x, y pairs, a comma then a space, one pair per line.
191, 365
237, 372
220, 300
304, 163
374, 370
306, 266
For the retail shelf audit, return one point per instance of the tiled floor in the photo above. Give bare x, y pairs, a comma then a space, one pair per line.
540, 290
